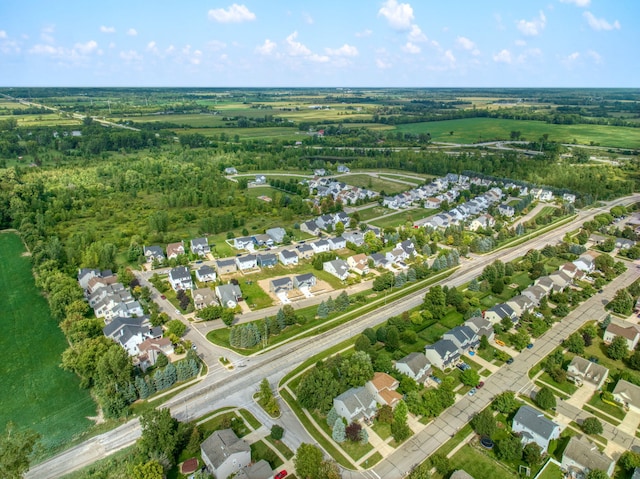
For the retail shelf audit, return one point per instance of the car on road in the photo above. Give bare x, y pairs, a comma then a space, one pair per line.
162, 296
281, 474
529, 346
472, 391
601, 291
509, 361
177, 311
480, 384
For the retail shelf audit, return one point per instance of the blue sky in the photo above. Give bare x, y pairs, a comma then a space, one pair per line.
262, 43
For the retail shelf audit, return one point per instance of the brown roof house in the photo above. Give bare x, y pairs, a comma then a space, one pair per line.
630, 333
581, 456
225, 454
358, 263
150, 349
383, 387
175, 249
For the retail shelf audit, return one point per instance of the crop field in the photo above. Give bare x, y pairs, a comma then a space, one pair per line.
474, 130
288, 133
42, 120
37, 393
390, 187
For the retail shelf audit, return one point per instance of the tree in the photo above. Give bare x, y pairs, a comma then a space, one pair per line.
332, 415
357, 370
385, 414
597, 474
592, 425
339, 431
159, 434
470, 377
175, 326
148, 470
265, 394
15, 449
509, 448
393, 339
622, 303
575, 343
339, 229
276, 432
308, 461
362, 344
329, 470
399, 426
353, 431
618, 349
505, 402
323, 310
484, 423
520, 340
532, 454
545, 399
634, 360
629, 460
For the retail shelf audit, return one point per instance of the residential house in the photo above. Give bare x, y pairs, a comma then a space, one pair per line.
397, 255
444, 354
310, 227
280, 285
150, 349
228, 295
581, 456
570, 269
288, 257
321, 246
87, 274
256, 470
535, 294
506, 210
628, 395
95, 284
379, 260
153, 253
463, 337
416, 366
569, 198
205, 273
204, 297
630, 333
226, 266
337, 243
249, 261
243, 242
520, 304
276, 234
260, 180
180, 278
359, 263
302, 281
320, 171
355, 237
130, 332
460, 474
116, 291
225, 454
343, 169
230, 171
545, 283
499, 312
341, 217
560, 280
533, 426
376, 231
383, 388
623, 243
582, 371
585, 263
200, 246
432, 203
325, 221
175, 249
408, 247
481, 327
305, 251
483, 221
267, 260
355, 405
262, 240
338, 268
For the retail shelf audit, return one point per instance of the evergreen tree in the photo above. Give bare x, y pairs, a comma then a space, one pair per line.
411, 275
331, 305
332, 417
159, 380
142, 387
364, 436
342, 301
323, 310
339, 433
170, 374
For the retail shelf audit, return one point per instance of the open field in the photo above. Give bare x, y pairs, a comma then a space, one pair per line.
402, 217
37, 393
475, 130
42, 120
288, 133
375, 184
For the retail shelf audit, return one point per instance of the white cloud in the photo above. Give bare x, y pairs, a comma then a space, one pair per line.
216, 45
399, 15
529, 55
504, 56
104, 29
416, 35
132, 32
411, 48
600, 23
47, 34
364, 33
521, 43
344, 51
130, 56
314, 57
40, 49
533, 27
86, 48
152, 47
266, 48
112, 44
234, 14
595, 56
382, 65
307, 18
296, 48
574, 56
577, 3
3, 34
449, 56
465, 43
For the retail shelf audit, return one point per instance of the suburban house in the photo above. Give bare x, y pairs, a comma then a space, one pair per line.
506, 210
288, 257
115, 292
150, 349
379, 260
243, 242
280, 285
483, 221
443, 354
97, 283
630, 333
585, 263
359, 263
262, 240
343, 169
569, 198
535, 293
338, 268
570, 269
225, 454
325, 221
267, 260
204, 297
228, 295
460, 474
260, 180
87, 274
520, 304
320, 171
230, 171
355, 237
499, 312
397, 255
533, 426
249, 261
416, 366
337, 243
355, 404
628, 395
305, 251
408, 247
205, 274
153, 253
257, 470
307, 280
175, 249
226, 266
180, 278
582, 371
560, 280
623, 243
276, 234
310, 227
481, 327
321, 246
581, 456
463, 337
383, 388
130, 332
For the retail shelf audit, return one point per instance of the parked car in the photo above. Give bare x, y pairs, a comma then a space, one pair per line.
529, 346
472, 391
509, 361
463, 366
162, 296
281, 474
436, 379
480, 384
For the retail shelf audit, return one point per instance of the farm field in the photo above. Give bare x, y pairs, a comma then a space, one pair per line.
37, 393
42, 120
475, 130
288, 133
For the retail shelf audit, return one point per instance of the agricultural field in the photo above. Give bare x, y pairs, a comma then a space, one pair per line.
286, 133
37, 393
476, 130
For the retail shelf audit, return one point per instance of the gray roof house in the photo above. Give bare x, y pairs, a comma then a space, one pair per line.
262, 240
152, 253
243, 242
627, 394
307, 280
338, 268
461, 474
416, 366
228, 294
310, 227
443, 354
481, 326
249, 261
337, 243
226, 266
225, 454
355, 237
355, 404
180, 278
276, 234
581, 370
288, 257
581, 456
520, 304
408, 247
230, 170
499, 312
279, 285
321, 246
534, 293
305, 251
130, 332
257, 470
268, 259
533, 426
205, 273
463, 337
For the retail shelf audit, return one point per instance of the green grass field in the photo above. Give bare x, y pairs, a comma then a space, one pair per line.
37, 393
402, 217
479, 465
376, 184
474, 130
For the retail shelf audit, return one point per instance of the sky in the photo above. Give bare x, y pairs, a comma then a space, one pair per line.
329, 43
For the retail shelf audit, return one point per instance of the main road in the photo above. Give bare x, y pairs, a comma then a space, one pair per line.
236, 387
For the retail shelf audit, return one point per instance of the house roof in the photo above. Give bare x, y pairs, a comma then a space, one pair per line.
267, 258
222, 444
586, 454
382, 381
153, 343
304, 247
588, 369
503, 310
302, 278
460, 474
205, 270
339, 265
175, 248
360, 258
337, 240
154, 250
535, 421
462, 333
199, 242
118, 323
629, 332
355, 398
180, 273
248, 258
630, 392
321, 242
443, 347
223, 263
415, 361
257, 470
207, 295
281, 282
288, 254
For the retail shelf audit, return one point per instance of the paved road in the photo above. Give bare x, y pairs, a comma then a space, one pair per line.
220, 387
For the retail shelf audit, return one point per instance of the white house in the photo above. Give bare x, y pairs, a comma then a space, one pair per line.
338, 268
228, 295
533, 426
337, 243
416, 366
225, 454
200, 246
355, 404
205, 273
443, 354
581, 456
359, 263
175, 249
631, 334
288, 257
249, 261
321, 246
628, 395
180, 278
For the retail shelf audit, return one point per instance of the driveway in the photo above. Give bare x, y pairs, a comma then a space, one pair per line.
582, 395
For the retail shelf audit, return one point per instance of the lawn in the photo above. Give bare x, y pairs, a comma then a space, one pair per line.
551, 471
473, 130
403, 217
260, 450
609, 409
388, 186
479, 465
566, 386
372, 212
37, 393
